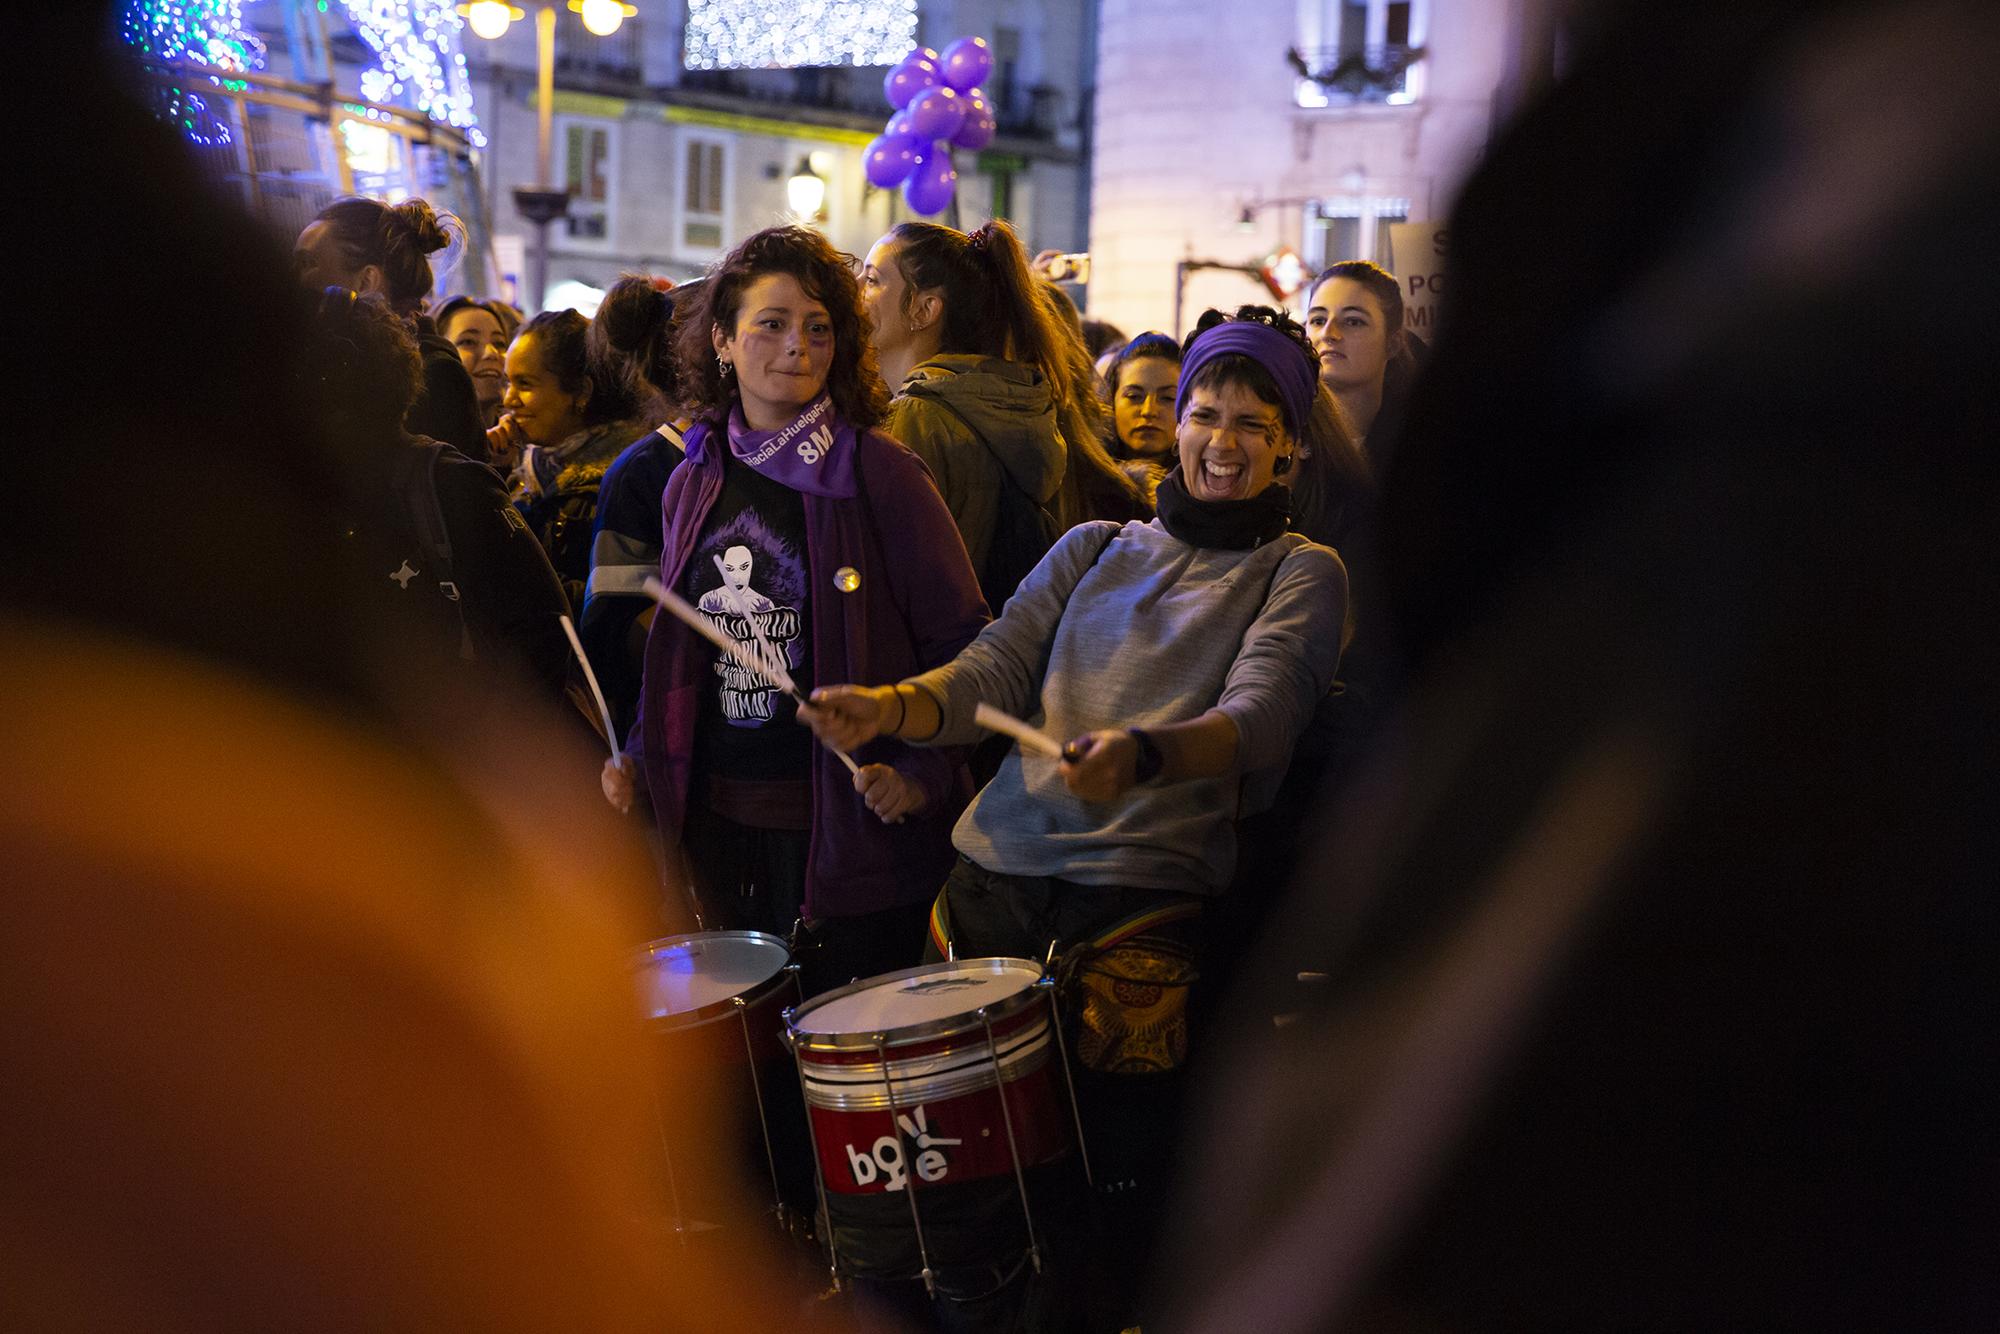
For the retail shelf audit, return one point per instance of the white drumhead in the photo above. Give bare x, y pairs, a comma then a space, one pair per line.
689, 973
919, 996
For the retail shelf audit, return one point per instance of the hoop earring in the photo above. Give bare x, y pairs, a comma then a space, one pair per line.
723, 366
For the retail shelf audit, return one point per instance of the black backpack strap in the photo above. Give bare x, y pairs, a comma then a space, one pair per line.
417, 486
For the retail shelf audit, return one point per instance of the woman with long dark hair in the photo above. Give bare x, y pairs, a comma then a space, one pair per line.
1355, 319
795, 523
1141, 380
571, 413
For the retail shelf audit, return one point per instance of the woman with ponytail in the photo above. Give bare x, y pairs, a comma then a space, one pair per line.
384, 250
975, 358
634, 326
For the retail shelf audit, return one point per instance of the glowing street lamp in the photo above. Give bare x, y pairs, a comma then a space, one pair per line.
543, 202
806, 192
602, 17
489, 18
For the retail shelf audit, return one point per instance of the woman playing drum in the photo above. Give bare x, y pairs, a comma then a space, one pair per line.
1183, 655
806, 534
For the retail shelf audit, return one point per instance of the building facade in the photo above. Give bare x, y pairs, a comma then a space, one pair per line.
1223, 133
670, 166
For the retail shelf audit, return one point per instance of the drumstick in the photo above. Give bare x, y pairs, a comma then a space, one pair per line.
741, 656
1030, 738
590, 679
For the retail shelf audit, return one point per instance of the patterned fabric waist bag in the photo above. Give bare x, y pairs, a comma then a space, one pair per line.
1124, 991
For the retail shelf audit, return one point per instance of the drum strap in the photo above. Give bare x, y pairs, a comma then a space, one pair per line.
1146, 919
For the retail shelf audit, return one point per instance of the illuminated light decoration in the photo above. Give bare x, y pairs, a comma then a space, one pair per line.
418, 59
602, 17
490, 18
783, 34
206, 35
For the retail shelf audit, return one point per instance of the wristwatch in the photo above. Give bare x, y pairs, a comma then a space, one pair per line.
1147, 767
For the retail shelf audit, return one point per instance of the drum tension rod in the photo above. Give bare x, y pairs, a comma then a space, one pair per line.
909, 1169
825, 1219
1013, 1148
757, 1092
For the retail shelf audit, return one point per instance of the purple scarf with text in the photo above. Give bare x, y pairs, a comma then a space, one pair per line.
813, 453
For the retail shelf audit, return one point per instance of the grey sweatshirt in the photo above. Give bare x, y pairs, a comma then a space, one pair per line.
1151, 631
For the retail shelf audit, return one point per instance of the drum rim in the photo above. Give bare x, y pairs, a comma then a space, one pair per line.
928, 1031
714, 1010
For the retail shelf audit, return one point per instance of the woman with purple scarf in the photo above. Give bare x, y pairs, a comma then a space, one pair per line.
804, 531
1182, 658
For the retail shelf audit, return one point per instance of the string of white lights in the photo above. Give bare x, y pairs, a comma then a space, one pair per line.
416, 43
782, 34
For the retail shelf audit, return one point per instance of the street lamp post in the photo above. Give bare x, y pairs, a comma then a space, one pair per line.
543, 202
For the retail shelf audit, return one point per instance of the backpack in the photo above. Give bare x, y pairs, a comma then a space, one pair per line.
1023, 532
1023, 529
415, 482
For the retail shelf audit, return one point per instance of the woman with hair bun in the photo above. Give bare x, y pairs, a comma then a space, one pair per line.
384, 250
571, 413
634, 325
795, 522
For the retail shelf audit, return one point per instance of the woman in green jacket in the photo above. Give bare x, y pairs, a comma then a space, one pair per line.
979, 362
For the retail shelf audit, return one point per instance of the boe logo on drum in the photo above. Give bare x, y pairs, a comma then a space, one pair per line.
885, 1156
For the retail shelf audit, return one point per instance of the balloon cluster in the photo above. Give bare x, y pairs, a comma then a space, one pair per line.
939, 105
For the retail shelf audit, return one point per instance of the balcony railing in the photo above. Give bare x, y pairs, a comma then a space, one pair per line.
292, 148
1351, 74
1033, 113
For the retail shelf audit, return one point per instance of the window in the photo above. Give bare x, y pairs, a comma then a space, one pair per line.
590, 169
1361, 51
703, 194
1003, 85
1356, 227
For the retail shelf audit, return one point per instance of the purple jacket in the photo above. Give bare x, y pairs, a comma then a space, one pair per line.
917, 606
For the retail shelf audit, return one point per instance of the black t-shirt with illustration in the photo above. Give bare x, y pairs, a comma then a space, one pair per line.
750, 574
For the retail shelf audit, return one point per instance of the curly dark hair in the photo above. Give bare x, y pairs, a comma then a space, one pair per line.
362, 367
827, 276
1332, 486
1245, 370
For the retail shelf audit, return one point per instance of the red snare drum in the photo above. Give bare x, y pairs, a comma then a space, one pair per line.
941, 1077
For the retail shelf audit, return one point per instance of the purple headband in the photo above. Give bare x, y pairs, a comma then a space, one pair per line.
1296, 377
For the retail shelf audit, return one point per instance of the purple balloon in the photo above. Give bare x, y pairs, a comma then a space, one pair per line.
908, 79
978, 130
976, 100
966, 63
936, 113
889, 160
931, 185
898, 123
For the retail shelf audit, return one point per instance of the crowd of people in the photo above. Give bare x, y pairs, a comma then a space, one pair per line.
1630, 983
909, 479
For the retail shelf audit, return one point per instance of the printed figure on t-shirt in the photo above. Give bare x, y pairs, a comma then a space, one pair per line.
735, 596
728, 569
